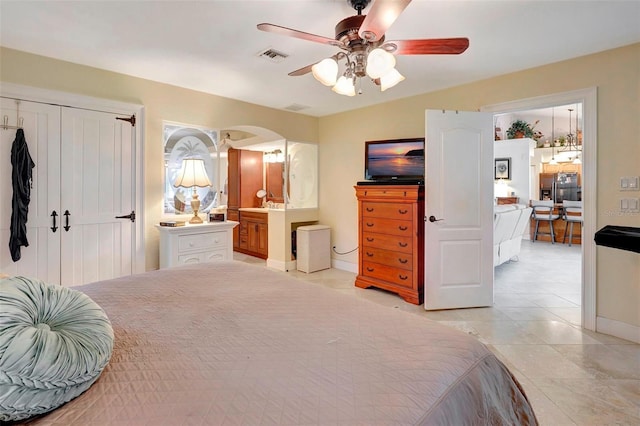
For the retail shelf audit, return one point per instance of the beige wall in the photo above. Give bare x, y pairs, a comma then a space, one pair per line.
616, 74
162, 102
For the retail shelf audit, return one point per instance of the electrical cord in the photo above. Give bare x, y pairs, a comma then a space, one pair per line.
346, 252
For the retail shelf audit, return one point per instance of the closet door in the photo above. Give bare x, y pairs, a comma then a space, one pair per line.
97, 184
41, 124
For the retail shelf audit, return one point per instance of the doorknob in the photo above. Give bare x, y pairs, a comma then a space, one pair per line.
433, 219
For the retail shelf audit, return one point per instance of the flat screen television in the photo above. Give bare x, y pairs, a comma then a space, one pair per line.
394, 160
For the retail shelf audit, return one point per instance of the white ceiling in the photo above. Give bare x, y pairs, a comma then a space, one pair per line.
212, 46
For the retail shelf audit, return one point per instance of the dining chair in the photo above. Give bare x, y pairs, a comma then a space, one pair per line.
543, 212
572, 213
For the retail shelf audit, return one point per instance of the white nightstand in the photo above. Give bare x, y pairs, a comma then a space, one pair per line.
196, 243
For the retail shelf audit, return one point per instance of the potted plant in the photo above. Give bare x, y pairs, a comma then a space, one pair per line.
522, 129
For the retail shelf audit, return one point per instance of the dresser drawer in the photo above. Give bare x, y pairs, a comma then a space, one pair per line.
201, 257
399, 192
390, 242
397, 211
397, 276
387, 257
201, 241
378, 225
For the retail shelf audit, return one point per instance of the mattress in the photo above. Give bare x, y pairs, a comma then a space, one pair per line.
231, 343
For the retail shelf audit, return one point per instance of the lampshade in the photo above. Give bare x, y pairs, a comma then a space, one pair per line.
344, 86
379, 63
390, 79
326, 71
192, 173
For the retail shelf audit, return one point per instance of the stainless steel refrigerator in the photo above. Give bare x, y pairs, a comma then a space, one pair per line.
559, 187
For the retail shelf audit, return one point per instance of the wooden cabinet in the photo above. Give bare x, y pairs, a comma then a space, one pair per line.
196, 243
234, 215
244, 179
391, 239
253, 234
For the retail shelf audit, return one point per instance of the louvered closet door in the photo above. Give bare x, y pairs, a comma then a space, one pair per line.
97, 157
41, 123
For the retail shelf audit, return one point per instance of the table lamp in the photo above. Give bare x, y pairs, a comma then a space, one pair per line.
193, 174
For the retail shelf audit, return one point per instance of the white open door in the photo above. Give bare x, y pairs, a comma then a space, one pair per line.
459, 210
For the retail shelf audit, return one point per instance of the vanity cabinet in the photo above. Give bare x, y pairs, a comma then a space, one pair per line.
253, 234
391, 239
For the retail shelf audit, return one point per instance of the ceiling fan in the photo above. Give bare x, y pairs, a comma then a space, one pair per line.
361, 39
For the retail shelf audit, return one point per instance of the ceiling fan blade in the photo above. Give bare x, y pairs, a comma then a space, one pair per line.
277, 29
301, 71
381, 16
432, 46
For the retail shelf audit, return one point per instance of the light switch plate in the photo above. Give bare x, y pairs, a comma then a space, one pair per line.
624, 204
630, 183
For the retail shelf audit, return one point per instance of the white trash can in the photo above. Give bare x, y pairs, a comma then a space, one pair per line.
313, 248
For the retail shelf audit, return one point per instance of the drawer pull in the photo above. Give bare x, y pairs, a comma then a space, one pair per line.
190, 244
369, 269
369, 254
369, 224
370, 209
403, 228
403, 211
403, 277
403, 244
403, 261
370, 239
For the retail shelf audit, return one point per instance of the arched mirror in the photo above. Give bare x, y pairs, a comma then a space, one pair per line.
182, 142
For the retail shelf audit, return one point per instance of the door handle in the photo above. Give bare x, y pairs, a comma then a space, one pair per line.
131, 216
66, 220
54, 228
433, 219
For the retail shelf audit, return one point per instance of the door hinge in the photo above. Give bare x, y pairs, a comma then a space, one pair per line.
131, 216
131, 119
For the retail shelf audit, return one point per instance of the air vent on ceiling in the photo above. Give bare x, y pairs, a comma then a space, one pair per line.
272, 55
296, 107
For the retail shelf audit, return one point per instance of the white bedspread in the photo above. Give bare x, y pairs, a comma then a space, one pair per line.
234, 344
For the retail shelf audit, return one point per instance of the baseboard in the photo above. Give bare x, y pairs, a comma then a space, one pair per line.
344, 266
618, 329
282, 266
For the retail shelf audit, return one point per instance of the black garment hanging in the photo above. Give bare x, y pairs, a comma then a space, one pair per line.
21, 179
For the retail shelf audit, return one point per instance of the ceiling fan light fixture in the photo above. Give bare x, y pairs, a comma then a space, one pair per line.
326, 71
379, 63
344, 86
390, 79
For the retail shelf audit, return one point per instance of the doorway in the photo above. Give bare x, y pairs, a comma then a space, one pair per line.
588, 99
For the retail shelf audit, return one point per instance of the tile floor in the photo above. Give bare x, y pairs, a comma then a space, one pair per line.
572, 376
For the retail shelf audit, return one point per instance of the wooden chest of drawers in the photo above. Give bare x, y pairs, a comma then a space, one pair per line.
391, 239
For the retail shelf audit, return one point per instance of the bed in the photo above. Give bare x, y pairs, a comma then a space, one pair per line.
232, 343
